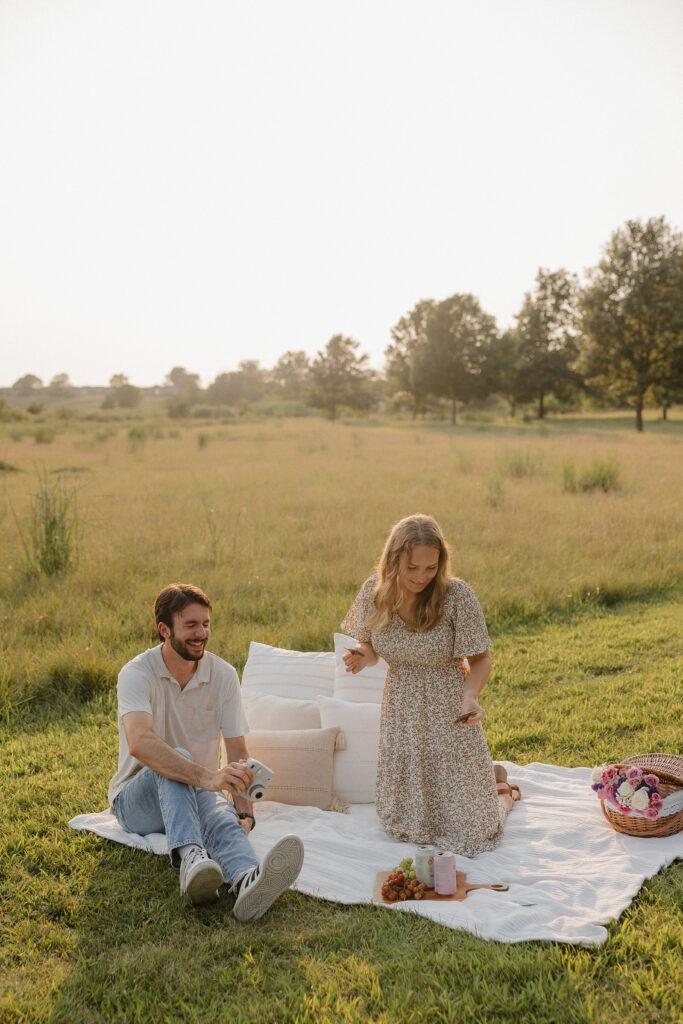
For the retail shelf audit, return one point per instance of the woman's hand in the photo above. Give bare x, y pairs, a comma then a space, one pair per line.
475, 681
360, 657
470, 706
355, 659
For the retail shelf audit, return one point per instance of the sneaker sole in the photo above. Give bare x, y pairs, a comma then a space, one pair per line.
202, 888
279, 870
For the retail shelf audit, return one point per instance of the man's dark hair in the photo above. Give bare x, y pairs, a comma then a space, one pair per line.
174, 598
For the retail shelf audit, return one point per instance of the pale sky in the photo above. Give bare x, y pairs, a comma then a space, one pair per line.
197, 183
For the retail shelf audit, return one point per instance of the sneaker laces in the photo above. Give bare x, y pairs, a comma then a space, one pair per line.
192, 856
246, 878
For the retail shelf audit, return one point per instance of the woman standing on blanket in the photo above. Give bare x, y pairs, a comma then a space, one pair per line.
435, 778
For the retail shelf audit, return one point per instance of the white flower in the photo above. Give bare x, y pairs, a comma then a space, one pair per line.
640, 800
625, 792
596, 774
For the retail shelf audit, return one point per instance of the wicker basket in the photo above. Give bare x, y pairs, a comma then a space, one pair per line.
669, 769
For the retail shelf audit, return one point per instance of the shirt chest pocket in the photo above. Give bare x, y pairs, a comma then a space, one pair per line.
201, 716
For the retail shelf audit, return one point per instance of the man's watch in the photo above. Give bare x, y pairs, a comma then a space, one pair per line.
245, 814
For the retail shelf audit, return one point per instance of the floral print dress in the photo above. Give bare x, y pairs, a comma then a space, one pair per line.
435, 781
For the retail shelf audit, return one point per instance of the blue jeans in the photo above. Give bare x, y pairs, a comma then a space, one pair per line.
149, 802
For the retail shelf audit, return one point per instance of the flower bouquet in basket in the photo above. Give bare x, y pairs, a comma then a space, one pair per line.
628, 788
642, 796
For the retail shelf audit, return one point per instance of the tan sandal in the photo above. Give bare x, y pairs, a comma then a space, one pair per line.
509, 789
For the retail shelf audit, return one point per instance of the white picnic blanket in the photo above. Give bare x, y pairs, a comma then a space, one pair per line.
568, 871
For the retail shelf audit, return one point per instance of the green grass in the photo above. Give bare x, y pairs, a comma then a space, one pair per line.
93, 931
280, 522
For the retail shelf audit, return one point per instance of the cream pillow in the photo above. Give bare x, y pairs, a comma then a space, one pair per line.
355, 767
367, 685
299, 674
303, 763
266, 711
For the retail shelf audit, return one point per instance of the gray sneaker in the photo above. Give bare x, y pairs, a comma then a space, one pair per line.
258, 890
200, 876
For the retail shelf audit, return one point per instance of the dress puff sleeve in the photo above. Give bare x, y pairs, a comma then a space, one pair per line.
357, 616
469, 624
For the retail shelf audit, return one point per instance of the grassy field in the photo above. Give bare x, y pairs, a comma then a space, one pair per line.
280, 521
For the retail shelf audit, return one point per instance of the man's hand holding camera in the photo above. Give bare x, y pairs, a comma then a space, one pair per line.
234, 777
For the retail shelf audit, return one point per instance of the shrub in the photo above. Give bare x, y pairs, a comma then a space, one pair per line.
518, 464
203, 440
494, 492
178, 408
136, 438
44, 435
569, 476
8, 414
7, 467
103, 435
35, 408
50, 539
599, 474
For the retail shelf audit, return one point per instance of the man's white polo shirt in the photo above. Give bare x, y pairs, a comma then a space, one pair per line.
193, 718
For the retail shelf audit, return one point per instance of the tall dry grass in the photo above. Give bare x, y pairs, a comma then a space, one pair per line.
281, 521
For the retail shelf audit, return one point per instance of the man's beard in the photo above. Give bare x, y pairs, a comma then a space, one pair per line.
181, 648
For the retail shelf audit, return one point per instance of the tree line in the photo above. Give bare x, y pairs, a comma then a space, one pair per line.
617, 338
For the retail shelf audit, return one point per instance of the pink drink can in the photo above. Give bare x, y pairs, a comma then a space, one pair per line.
445, 879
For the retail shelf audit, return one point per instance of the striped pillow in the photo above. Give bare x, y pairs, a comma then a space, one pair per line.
299, 674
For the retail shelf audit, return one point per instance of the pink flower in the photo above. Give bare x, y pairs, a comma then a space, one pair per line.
650, 780
651, 812
603, 792
609, 774
624, 809
634, 774
655, 800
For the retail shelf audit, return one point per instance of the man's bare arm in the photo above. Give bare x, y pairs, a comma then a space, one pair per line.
151, 750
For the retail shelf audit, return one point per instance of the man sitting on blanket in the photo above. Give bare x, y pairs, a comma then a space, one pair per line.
176, 704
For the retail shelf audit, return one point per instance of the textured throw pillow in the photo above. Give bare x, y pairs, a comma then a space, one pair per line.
367, 685
299, 674
303, 763
266, 711
355, 767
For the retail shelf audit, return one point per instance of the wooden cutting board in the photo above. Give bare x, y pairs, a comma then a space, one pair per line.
463, 888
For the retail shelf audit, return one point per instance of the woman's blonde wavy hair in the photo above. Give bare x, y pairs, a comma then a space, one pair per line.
387, 596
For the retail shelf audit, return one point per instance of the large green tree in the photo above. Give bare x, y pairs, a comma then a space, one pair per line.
29, 384
248, 383
546, 331
405, 362
122, 393
339, 376
632, 314
60, 384
502, 364
458, 336
186, 384
289, 374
